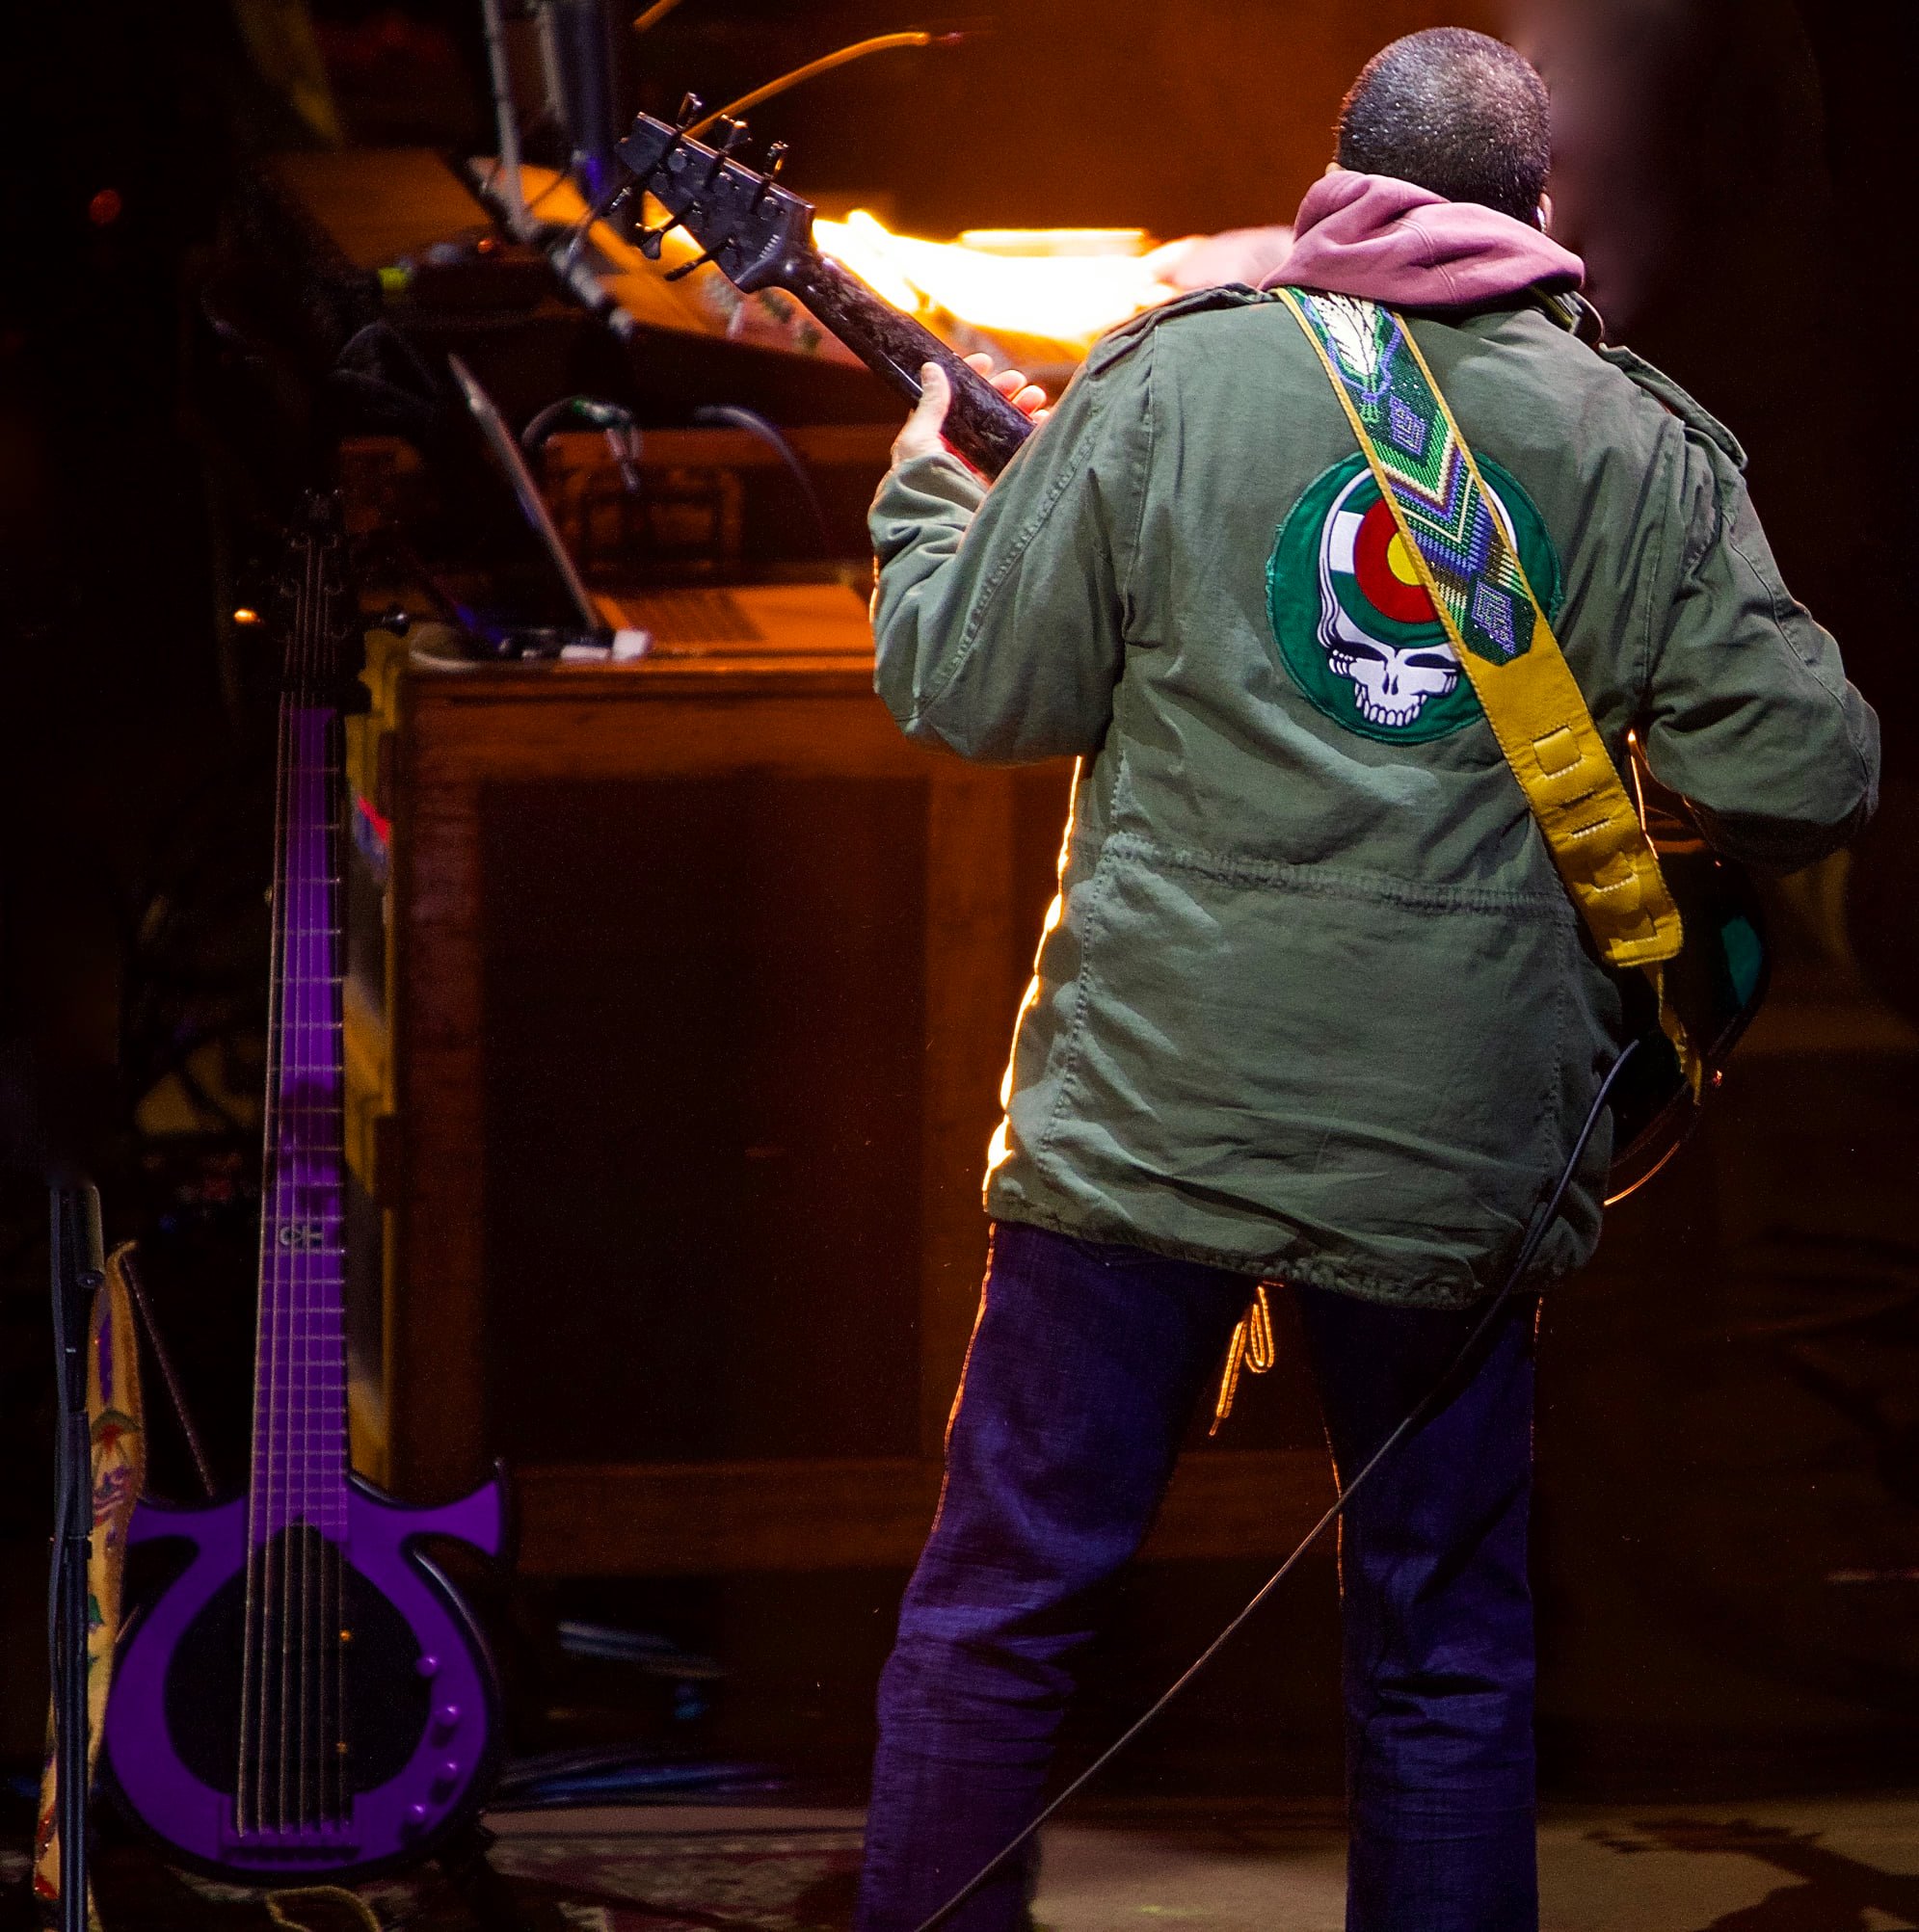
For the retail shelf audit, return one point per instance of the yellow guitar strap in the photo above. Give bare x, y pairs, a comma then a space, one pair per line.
1430, 479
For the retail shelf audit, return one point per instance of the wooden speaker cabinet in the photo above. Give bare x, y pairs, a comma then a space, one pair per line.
682, 994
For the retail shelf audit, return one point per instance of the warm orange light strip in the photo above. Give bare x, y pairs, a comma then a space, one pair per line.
1061, 286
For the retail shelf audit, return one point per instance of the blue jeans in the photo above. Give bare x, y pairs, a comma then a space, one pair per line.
1083, 1372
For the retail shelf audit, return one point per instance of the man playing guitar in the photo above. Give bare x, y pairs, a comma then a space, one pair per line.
1315, 1006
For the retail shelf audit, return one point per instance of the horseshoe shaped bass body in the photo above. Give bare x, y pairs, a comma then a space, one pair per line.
306, 1697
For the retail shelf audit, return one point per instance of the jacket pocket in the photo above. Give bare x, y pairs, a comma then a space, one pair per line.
1375, 1065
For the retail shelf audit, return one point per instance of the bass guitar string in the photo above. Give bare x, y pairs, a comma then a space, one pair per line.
251, 1779
1410, 1421
294, 1264
310, 1259
319, 1258
291, 1771
254, 1679
298, 1528
302, 1257
333, 1549
285, 1532
299, 1261
314, 1254
314, 1258
314, 1245
293, 1607
293, 1717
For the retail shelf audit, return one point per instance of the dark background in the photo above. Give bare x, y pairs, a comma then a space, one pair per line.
1733, 172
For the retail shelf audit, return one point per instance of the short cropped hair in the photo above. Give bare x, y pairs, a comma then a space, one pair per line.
1455, 112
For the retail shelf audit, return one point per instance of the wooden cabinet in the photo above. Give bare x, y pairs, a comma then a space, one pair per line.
674, 1038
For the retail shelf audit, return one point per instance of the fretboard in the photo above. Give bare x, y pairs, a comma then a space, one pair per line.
299, 1434
981, 424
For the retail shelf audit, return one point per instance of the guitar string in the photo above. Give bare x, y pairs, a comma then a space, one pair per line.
292, 1127
320, 1287
296, 1528
306, 1262
248, 1686
311, 1256
310, 1259
324, 1275
334, 1551
296, 1518
301, 1531
253, 1682
272, 1549
292, 1617
314, 1254
315, 1260
288, 1192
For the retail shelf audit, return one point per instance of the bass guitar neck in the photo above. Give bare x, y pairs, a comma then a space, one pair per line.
981, 425
759, 236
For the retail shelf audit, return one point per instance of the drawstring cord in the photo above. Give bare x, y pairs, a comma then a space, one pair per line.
1412, 1419
1251, 1349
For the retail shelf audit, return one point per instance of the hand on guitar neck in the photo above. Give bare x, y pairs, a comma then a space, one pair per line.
921, 434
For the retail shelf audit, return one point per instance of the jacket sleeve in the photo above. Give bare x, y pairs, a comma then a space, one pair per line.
998, 613
1748, 715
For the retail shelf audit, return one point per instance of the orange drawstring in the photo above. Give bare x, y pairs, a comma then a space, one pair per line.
1251, 1349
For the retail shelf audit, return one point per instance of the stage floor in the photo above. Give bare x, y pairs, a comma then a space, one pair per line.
1834, 1865
1830, 1865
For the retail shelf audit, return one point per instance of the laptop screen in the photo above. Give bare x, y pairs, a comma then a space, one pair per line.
531, 580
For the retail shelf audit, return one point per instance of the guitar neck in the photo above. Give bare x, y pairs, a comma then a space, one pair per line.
299, 1429
982, 425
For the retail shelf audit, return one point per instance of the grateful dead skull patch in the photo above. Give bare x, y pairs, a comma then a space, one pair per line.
1355, 628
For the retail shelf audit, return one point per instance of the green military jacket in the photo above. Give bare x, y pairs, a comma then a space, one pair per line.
1315, 1005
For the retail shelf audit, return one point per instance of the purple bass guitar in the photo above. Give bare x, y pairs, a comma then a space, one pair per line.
307, 1696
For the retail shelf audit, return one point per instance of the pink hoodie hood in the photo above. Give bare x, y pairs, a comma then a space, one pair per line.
1385, 239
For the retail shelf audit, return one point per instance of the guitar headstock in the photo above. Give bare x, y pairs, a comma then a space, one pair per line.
743, 220
318, 612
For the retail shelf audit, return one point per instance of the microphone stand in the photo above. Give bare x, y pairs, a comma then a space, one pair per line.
78, 1269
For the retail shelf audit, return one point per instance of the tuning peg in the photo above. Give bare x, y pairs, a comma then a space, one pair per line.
602, 210
647, 240
699, 262
736, 133
776, 159
690, 106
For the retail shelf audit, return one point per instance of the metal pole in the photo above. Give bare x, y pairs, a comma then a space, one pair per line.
505, 118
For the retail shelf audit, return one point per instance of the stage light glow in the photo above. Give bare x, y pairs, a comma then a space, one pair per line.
1063, 285
245, 614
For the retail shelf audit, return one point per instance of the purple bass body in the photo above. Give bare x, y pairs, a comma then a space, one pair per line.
306, 1697
419, 1699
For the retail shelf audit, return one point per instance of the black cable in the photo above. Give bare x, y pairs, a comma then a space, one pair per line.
613, 419
1414, 1417
588, 409
756, 425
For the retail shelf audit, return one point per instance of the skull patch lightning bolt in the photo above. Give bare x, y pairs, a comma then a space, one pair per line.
1355, 628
